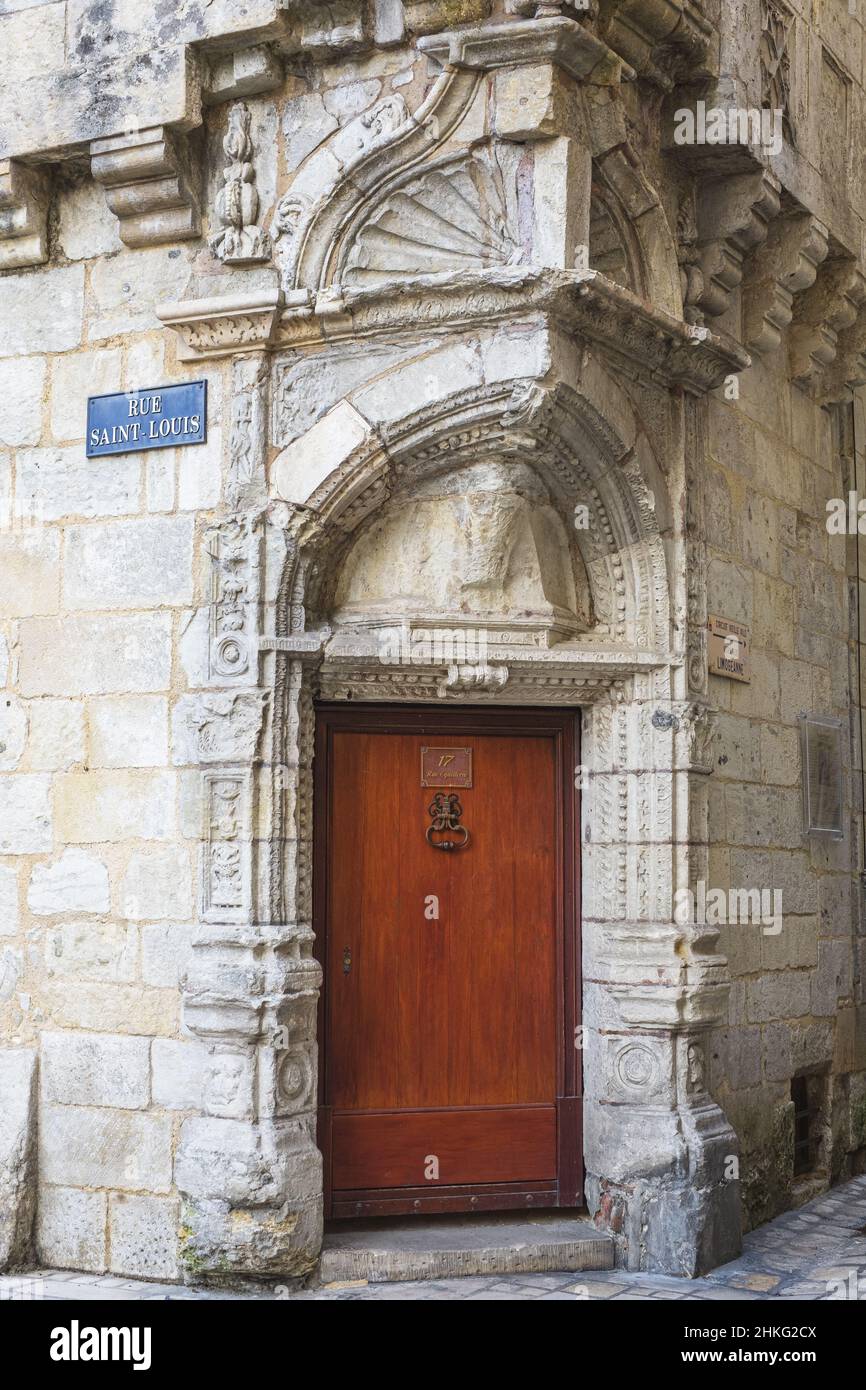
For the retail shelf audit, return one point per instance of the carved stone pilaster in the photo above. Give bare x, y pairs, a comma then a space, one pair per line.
247, 1167
696, 546
785, 266
247, 483
24, 197
657, 1145
151, 185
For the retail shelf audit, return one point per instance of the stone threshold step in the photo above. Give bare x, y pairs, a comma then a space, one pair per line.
389, 1250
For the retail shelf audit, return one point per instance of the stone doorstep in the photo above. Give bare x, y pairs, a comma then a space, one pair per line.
385, 1252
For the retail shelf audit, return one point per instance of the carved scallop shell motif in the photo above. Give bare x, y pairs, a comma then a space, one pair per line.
456, 217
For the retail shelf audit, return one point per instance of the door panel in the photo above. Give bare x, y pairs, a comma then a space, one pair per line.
470, 1145
443, 1034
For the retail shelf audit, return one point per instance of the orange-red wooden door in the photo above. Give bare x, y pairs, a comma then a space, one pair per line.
441, 1057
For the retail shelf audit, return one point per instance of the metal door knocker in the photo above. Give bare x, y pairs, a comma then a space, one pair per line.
445, 811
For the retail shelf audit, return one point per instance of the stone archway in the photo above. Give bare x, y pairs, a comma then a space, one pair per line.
655, 1141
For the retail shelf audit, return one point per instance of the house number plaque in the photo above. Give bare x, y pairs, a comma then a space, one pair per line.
446, 767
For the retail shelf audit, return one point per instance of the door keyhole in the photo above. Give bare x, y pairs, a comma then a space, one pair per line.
347, 960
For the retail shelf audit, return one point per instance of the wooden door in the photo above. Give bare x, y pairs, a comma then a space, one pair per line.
450, 975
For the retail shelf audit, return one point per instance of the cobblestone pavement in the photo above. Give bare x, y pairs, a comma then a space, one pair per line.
815, 1253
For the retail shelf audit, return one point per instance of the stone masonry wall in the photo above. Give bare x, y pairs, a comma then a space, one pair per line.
98, 826
797, 1002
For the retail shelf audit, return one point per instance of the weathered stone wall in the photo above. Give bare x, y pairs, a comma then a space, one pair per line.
98, 824
796, 1002
225, 165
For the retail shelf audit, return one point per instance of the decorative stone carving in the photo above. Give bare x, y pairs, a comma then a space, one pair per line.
662, 39
220, 326
776, 26
240, 241
247, 485
480, 677
225, 725
822, 313
226, 885
549, 38
24, 198
456, 216
733, 217
233, 551
785, 265
150, 184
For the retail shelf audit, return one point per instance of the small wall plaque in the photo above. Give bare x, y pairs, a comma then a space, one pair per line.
821, 752
158, 417
729, 649
446, 767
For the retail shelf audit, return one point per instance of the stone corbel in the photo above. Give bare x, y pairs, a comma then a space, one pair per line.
847, 371
823, 312
733, 218
643, 31
150, 185
227, 324
24, 197
786, 265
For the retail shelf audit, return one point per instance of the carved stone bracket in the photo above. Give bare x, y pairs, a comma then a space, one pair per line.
732, 218
786, 265
822, 314
150, 184
848, 369
662, 39
227, 324
24, 197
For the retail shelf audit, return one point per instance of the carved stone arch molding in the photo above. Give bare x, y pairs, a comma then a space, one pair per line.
595, 482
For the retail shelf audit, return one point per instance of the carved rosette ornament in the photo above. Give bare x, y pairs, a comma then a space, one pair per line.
240, 241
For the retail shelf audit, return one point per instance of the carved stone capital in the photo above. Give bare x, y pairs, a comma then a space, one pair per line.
225, 325
150, 185
24, 197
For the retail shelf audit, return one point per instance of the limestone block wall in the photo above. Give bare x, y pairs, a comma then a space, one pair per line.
98, 823
797, 1001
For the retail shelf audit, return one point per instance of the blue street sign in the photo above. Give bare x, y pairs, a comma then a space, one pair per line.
159, 417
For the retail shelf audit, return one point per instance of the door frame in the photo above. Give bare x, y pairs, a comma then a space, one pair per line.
563, 726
